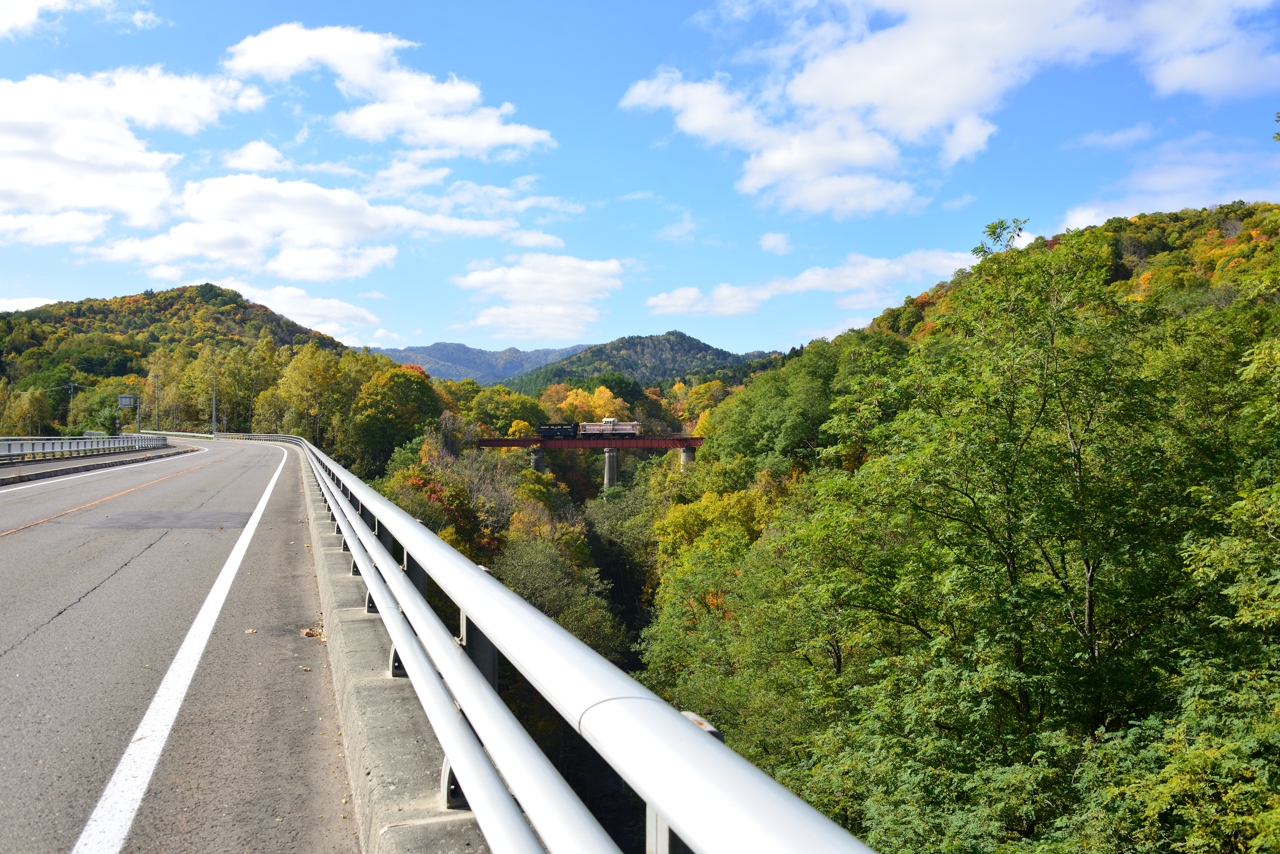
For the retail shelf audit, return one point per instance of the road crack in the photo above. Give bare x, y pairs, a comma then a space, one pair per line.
83, 596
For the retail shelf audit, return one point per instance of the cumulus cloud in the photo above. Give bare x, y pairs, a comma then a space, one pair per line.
544, 296
296, 230
333, 317
862, 281
22, 303
144, 19
823, 129
257, 156
43, 229
446, 116
776, 243
67, 143
22, 16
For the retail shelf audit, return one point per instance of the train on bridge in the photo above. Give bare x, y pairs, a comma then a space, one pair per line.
589, 429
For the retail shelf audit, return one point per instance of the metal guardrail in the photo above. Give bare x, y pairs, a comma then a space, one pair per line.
716, 801
14, 448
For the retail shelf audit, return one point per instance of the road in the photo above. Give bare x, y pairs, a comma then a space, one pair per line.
102, 576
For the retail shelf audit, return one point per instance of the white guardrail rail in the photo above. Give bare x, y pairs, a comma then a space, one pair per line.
716, 801
13, 448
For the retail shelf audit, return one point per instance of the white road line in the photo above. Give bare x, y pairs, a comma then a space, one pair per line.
54, 481
108, 826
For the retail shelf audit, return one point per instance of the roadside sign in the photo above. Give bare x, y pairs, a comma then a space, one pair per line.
126, 401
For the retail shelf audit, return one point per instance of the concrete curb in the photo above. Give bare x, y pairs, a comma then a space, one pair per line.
393, 758
105, 464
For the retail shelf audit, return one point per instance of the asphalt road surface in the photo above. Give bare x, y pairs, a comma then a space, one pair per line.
101, 578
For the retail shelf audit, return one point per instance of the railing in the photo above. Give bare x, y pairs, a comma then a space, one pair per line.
710, 796
13, 448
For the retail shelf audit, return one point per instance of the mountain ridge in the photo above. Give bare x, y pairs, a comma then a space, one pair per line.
647, 359
454, 361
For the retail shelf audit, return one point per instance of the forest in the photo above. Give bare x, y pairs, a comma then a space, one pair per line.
999, 573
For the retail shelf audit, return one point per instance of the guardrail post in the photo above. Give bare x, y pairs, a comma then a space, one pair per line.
658, 836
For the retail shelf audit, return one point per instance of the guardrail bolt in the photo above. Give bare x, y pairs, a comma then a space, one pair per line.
397, 669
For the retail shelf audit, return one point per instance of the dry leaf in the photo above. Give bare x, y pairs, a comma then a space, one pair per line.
250, 631
306, 669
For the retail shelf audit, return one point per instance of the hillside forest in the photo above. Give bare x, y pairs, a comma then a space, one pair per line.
999, 573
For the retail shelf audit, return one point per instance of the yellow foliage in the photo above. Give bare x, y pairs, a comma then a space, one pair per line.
521, 430
685, 523
578, 405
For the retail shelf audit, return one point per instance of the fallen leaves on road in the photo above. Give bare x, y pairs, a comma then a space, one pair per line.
304, 669
314, 633
250, 631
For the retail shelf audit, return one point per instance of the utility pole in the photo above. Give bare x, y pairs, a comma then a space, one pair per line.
157, 412
213, 426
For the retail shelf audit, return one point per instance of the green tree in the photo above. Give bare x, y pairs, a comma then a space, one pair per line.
392, 408
310, 386
497, 407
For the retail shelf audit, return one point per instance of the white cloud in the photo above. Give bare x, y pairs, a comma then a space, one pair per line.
445, 115
372, 295
680, 231
22, 16
967, 137
166, 272
22, 303
329, 168
544, 296
67, 143
1195, 171
330, 316
818, 165
959, 202
823, 128
863, 282
404, 176
776, 243
316, 233
1115, 139
144, 19
468, 197
257, 156
43, 229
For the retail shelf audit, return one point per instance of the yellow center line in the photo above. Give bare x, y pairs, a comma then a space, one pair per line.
100, 500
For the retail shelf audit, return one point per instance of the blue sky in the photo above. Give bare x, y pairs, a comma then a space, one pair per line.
753, 173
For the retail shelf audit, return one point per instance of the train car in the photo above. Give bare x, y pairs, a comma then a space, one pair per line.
558, 431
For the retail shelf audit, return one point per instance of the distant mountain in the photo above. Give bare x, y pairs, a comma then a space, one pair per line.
648, 359
458, 361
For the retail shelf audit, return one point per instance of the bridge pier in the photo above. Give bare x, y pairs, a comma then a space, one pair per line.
537, 461
610, 467
686, 456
